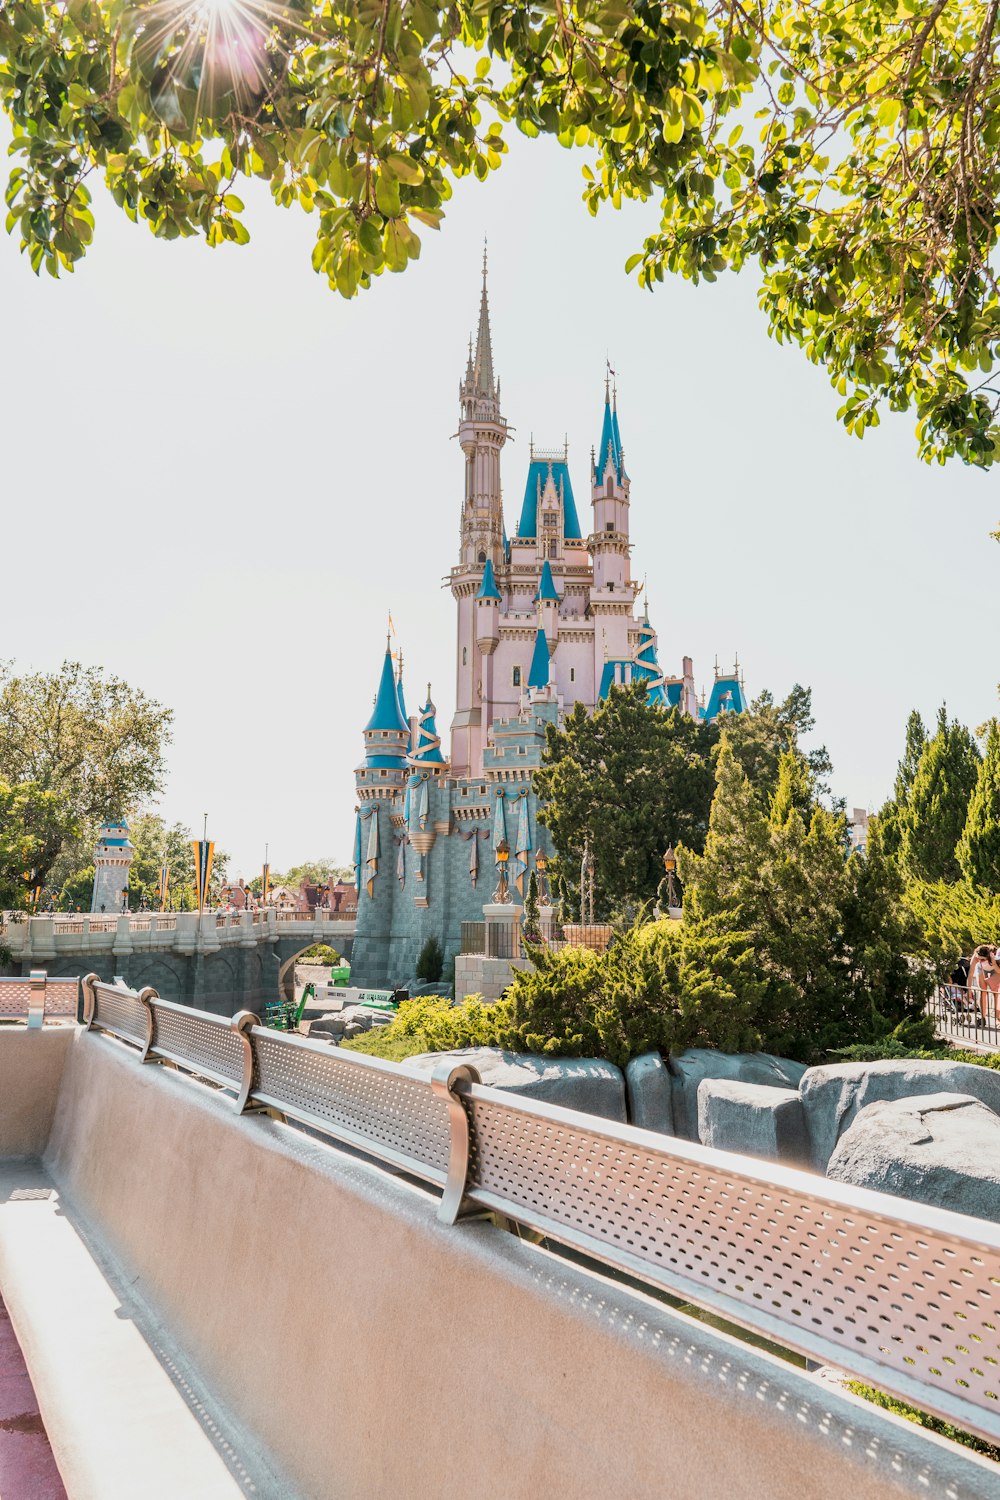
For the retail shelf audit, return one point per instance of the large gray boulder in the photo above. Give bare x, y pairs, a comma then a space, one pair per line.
687, 1069
942, 1149
832, 1096
585, 1083
647, 1093
754, 1119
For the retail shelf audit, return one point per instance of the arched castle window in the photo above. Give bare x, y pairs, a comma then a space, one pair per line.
482, 557
465, 657
517, 677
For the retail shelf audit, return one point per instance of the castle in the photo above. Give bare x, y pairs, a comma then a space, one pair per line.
546, 618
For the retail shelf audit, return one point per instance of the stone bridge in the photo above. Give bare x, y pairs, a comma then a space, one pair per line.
217, 961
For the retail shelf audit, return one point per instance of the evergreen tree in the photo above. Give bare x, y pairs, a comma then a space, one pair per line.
634, 779
430, 961
938, 802
979, 846
794, 789
762, 735
532, 912
891, 817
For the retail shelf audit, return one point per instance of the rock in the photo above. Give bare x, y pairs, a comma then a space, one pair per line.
328, 1025
353, 1029
832, 1096
942, 1149
687, 1069
647, 1093
586, 1083
754, 1119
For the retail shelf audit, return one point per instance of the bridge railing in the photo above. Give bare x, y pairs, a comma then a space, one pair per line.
900, 1295
38, 996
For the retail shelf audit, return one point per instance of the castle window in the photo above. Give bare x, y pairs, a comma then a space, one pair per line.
516, 681
609, 526
482, 557
610, 491
465, 657
572, 674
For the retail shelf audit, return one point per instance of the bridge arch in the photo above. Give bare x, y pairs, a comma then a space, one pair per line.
290, 950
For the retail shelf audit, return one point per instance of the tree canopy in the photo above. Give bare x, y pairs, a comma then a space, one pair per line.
851, 154
34, 824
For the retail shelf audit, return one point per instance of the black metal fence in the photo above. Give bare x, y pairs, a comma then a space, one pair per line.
965, 1014
507, 939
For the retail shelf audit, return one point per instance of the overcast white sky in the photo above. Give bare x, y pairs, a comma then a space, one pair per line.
218, 477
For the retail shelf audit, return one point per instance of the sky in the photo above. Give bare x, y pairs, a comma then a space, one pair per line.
219, 477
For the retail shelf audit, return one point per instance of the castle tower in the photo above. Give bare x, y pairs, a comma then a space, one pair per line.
482, 433
112, 862
387, 740
613, 594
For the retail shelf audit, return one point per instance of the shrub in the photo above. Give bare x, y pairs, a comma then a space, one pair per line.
430, 962
319, 953
923, 1419
433, 1024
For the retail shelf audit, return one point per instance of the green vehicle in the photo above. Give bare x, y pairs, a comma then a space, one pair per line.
340, 976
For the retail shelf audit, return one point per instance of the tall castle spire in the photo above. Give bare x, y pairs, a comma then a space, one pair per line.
482, 368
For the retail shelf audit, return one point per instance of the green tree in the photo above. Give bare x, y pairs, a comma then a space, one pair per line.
632, 778
827, 934
760, 737
89, 738
865, 197
938, 802
979, 847
892, 815
34, 823
430, 961
532, 911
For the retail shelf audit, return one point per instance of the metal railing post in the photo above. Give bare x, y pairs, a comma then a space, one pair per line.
242, 1023
36, 999
144, 996
443, 1081
89, 999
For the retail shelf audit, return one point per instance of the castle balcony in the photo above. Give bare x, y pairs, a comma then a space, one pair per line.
244, 1263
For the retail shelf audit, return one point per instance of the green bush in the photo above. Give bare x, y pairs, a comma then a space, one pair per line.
922, 1419
433, 1024
319, 953
430, 963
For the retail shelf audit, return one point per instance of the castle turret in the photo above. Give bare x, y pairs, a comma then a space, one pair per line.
547, 605
387, 738
612, 594
112, 862
488, 612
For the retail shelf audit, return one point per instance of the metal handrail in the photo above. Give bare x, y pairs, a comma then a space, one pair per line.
33, 997
900, 1294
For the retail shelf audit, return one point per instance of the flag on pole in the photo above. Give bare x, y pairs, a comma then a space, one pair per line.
164, 884
204, 849
266, 884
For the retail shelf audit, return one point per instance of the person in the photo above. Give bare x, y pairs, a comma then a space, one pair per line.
984, 981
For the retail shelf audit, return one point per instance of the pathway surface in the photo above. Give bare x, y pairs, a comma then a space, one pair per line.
27, 1469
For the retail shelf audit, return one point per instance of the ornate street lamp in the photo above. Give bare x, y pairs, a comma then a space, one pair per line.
541, 865
670, 866
501, 895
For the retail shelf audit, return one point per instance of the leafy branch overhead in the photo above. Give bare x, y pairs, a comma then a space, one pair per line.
849, 152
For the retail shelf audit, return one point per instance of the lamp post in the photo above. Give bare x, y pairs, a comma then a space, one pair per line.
501, 895
541, 865
670, 866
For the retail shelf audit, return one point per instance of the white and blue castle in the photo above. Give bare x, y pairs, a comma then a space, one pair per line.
546, 619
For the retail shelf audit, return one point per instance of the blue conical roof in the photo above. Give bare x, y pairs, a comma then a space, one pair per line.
488, 588
610, 442
547, 587
538, 673
428, 747
386, 714
401, 700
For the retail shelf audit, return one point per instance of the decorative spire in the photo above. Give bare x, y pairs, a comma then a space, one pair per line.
610, 447
386, 714
488, 588
538, 673
547, 587
427, 751
482, 374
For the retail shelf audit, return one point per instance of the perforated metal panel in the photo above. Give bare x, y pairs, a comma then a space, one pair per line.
14, 997
830, 1277
61, 996
118, 1010
205, 1044
381, 1108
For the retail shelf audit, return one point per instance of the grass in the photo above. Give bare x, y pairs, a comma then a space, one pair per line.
923, 1419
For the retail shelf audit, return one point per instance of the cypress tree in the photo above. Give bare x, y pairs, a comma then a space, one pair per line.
890, 819
979, 847
938, 802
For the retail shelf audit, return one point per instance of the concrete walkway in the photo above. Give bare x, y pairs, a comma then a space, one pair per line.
125, 1417
27, 1468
